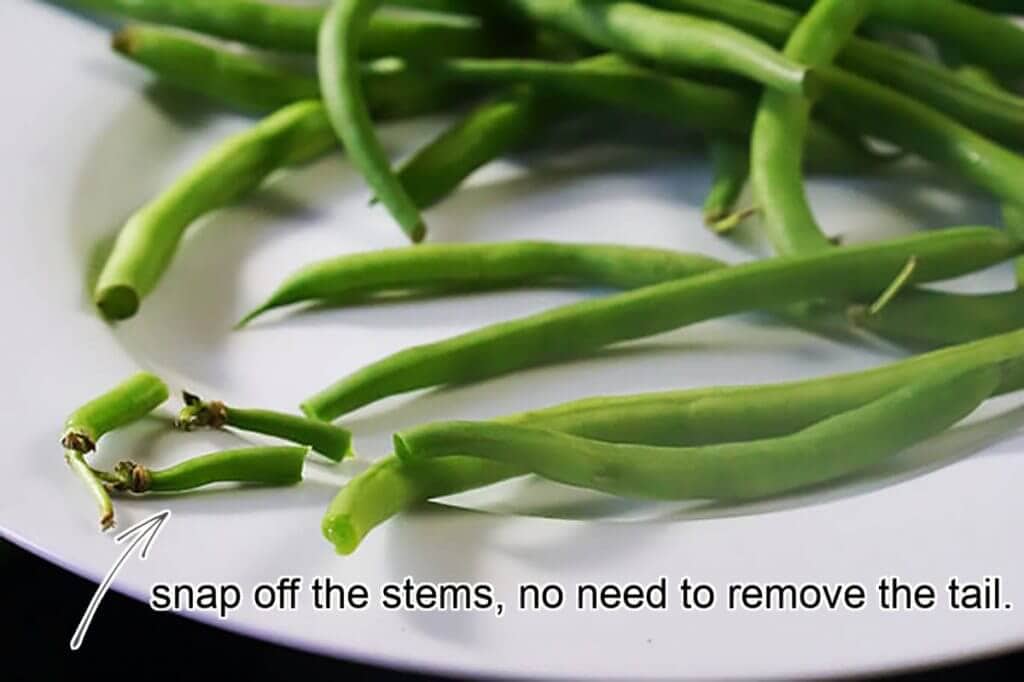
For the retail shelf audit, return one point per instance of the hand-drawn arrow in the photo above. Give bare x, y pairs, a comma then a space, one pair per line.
143, 533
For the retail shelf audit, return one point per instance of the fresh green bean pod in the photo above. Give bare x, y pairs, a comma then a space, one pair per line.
671, 39
982, 37
922, 130
995, 113
835, 447
930, 319
612, 80
691, 417
730, 167
338, 59
276, 466
147, 242
482, 266
127, 402
581, 328
251, 82
329, 440
778, 137
294, 27
491, 129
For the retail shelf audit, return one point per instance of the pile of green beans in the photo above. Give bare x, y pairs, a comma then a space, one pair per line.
776, 89
581, 328
686, 418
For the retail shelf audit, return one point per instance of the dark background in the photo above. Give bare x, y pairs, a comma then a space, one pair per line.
43, 603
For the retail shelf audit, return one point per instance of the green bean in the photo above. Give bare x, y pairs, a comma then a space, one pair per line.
777, 140
250, 82
482, 266
294, 27
992, 112
667, 38
985, 38
76, 460
917, 128
730, 165
499, 125
1013, 220
830, 449
127, 402
580, 328
331, 441
147, 242
692, 417
929, 319
338, 59
277, 466
612, 80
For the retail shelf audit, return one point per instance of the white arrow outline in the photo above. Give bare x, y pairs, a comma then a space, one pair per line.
148, 530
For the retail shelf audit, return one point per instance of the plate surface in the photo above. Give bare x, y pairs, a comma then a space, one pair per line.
87, 138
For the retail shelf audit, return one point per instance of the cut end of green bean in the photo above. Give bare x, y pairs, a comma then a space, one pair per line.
340, 532
313, 411
197, 414
118, 302
124, 41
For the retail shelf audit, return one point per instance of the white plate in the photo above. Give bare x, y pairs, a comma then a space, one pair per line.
86, 140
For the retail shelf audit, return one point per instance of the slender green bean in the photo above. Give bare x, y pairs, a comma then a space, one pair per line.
612, 80
667, 38
251, 82
982, 37
127, 402
338, 59
577, 329
331, 441
482, 266
277, 466
930, 319
919, 129
76, 460
493, 128
294, 27
147, 242
995, 113
730, 163
692, 417
778, 138
835, 447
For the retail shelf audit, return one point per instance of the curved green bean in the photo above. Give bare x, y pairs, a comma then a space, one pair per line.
777, 140
691, 417
294, 27
491, 129
338, 59
995, 113
127, 402
730, 164
835, 447
277, 466
250, 82
331, 441
982, 37
147, 242
667, 38
577, 329
612, 80
919, 129
482, 266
